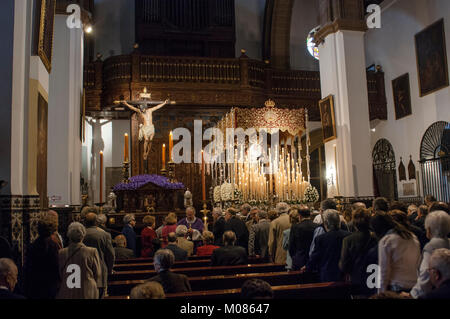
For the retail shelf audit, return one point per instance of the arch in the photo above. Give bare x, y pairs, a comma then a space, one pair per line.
277, 32
435, 161
436, 141
384, 169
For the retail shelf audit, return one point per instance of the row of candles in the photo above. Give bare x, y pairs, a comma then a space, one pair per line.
258, 181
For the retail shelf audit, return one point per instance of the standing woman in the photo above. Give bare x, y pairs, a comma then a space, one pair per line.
86, 258
147, 236
170, 227
42, 275
398, 257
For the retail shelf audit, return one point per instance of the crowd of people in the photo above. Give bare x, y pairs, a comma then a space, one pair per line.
387, 250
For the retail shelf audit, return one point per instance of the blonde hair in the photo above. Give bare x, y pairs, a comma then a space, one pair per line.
149, 290
121, 241
171, 219
208, 237
149, 220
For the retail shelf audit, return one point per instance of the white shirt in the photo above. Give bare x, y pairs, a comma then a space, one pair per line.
399, 260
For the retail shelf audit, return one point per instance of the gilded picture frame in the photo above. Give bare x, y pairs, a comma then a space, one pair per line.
431, 58
46, 32
326, 107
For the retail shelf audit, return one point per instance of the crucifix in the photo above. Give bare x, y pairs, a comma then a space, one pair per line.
145, 112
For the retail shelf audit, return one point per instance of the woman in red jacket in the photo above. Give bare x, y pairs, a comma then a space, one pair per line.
147, 235
170, 227
207, 248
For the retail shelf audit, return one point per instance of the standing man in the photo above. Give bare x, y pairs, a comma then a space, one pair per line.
237, 226
98, 238
192, 222
277, 226
129, 222
8, 279
259, 236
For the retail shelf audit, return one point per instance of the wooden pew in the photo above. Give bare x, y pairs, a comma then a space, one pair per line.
178, 264
149, 260
328, 290
200, 271
217, 282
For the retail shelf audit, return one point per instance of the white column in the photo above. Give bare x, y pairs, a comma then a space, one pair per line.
64, 141
343, 74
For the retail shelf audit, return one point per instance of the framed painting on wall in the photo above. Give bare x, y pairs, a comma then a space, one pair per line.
431, 55
326, 107
402, 96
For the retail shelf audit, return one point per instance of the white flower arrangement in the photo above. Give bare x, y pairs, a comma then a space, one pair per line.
217, 194
226, 192
311, 194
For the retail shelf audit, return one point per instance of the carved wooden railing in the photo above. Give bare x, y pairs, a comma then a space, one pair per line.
222, 82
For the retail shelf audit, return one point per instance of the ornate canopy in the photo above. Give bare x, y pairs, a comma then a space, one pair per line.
292, 121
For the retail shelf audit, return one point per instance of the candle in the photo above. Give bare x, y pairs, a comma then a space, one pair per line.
101, 177
164, 156
126, 157
203, 179
170, 146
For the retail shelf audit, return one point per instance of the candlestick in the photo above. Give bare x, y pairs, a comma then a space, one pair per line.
170, 146
101, 177
203, 179
164, 156
126, 157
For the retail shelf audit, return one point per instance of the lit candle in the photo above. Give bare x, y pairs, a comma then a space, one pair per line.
170, 146
101, 177
164, 156
125, 150
203, 179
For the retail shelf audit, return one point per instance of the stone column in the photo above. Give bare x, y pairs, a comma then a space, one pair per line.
64, 135
343, 75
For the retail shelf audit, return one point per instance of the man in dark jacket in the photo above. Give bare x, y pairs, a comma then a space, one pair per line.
218, 226
178, 252
301, 237
171, 282
258, 243
238, 227
327, 252
229, 255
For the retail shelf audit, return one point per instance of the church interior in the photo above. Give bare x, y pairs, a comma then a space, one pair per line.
220, 149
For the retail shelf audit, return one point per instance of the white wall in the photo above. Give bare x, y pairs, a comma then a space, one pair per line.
249, 27
114, 27
305, 17
106, 136
393, 48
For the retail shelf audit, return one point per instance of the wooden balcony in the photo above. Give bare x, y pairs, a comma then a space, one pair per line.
213, 82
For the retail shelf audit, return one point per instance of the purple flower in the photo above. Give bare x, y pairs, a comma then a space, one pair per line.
138, 181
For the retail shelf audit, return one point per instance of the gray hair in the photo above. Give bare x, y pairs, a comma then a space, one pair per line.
217, 210
164, 258
438, 223
282, 208
128, 218
101, 219
181, 231
148, 290
440, 260
7, 266
246, 207
262, 214
332, 220
76, 232
412, 208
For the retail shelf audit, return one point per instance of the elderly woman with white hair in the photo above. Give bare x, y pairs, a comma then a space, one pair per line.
437, 226
129, 222
79, 267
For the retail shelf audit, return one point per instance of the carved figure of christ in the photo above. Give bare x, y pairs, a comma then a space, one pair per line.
147, 129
